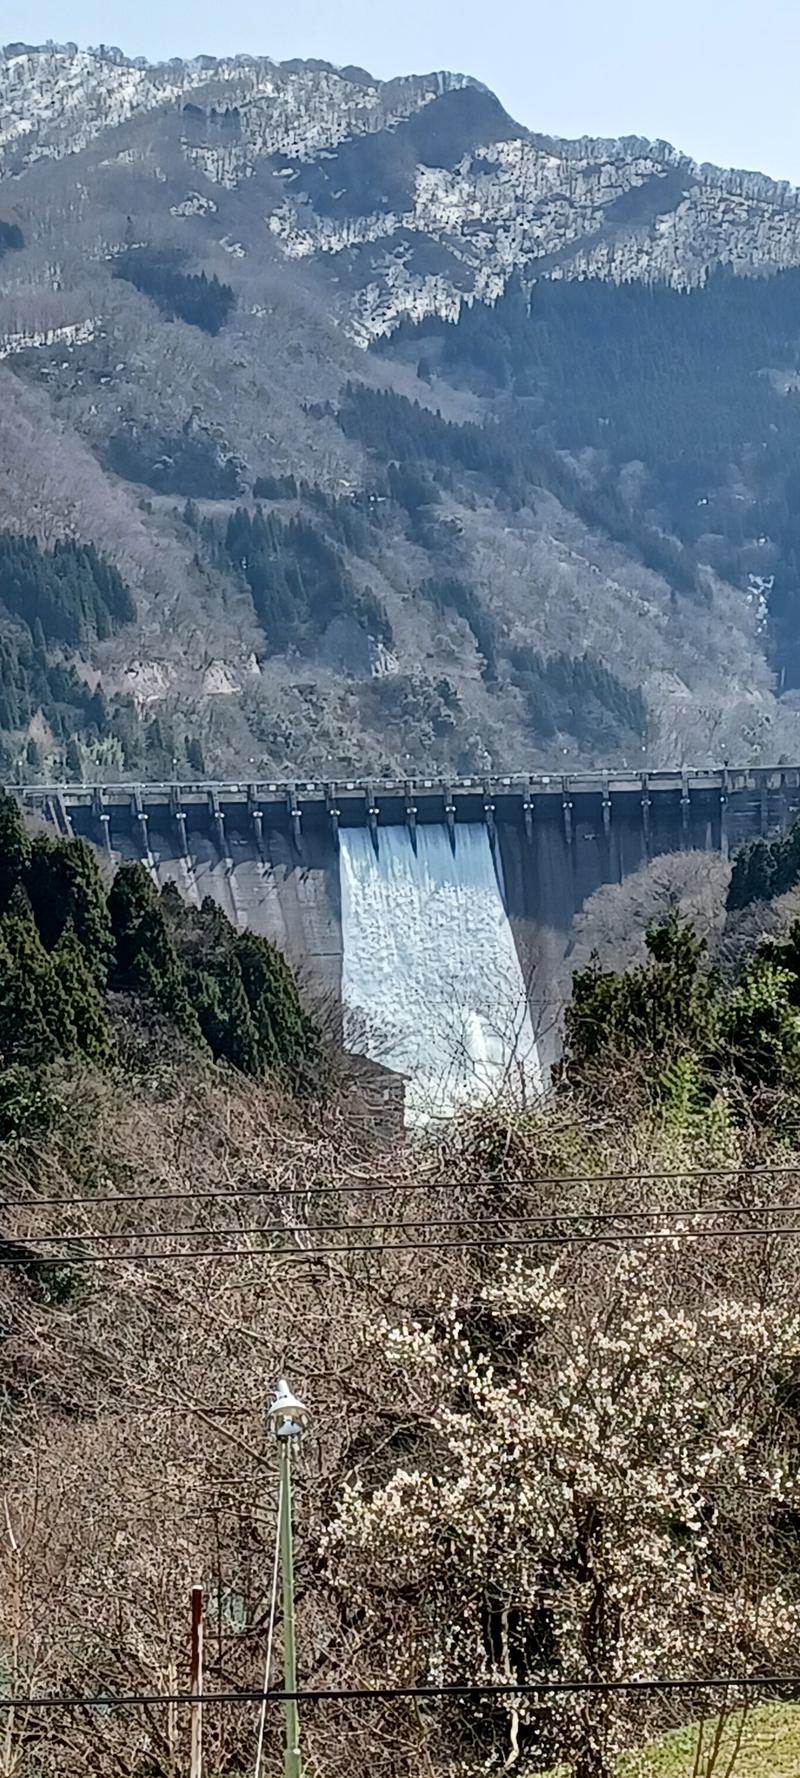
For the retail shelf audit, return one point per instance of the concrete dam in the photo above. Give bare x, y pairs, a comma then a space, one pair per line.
432, 918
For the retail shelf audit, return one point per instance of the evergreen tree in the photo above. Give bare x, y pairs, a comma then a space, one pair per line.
66, 594
26, 1107
24, 1033
201, 301
80, 988
194, 755
297, 578
131, 900
66, 890
244, 993
36, 1023
74, 760
11, 237
15, 848
763, 868
145, 957
60, 938
288, 1039
651, 1013
220, 1002
760, 1026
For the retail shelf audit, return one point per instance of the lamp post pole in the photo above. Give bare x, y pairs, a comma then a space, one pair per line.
287, 1415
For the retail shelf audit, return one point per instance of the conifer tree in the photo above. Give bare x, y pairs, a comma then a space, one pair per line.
66, 890
288, 1039
145, 957
15, 848
652, 1012
223, 1012
36, 1022
80, 988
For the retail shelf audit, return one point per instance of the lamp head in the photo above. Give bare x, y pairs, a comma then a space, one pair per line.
287, 1413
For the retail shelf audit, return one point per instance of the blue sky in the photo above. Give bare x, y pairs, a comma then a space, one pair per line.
718, 78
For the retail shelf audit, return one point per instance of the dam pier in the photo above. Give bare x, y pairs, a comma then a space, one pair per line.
432, 917
686, 807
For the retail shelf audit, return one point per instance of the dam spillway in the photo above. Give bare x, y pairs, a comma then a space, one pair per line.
466, 889
431, 979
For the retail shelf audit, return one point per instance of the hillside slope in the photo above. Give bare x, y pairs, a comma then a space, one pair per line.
205, 270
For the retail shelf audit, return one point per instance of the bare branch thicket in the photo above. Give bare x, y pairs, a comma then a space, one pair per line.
133, 1452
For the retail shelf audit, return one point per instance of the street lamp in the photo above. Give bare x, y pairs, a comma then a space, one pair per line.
288, 1417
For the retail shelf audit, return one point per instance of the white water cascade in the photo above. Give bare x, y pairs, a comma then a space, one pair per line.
431, 981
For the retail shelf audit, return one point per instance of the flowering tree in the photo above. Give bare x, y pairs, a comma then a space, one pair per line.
606, 1448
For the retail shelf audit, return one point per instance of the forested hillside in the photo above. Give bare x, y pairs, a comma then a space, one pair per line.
687, 402
73, 954
350, 427
550, 1359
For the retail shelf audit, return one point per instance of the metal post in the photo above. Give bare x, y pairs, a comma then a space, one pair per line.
196, 1685
288, 1415
291, 1756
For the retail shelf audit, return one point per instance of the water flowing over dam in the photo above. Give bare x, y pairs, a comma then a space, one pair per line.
432, 920
432, 984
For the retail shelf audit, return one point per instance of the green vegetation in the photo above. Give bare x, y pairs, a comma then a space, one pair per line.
67, 594
229, 989
64, 943
763, 1742
11, 237
52, 968
664, 1007
452, 594
66, 894
763, 868
697, 386
189, 462
144, 955
580, 695
187, 296
297, 577
275, 487
675, 1026
29, 682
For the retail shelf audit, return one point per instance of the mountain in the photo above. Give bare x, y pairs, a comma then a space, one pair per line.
349, 426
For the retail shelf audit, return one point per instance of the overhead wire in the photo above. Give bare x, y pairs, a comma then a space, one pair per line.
436, 1693
266, 1696
539, 1219
191, 1255
384, 1185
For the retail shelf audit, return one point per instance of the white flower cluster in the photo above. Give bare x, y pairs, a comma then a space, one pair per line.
604, 1464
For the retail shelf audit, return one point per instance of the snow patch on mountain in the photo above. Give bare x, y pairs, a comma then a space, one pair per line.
55, 100
462, 221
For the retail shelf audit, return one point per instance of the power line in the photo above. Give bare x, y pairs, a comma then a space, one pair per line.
361, 1694
382, 1185
541, 1219
611, 1238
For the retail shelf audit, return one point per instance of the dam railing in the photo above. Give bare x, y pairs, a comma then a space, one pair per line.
749, 799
